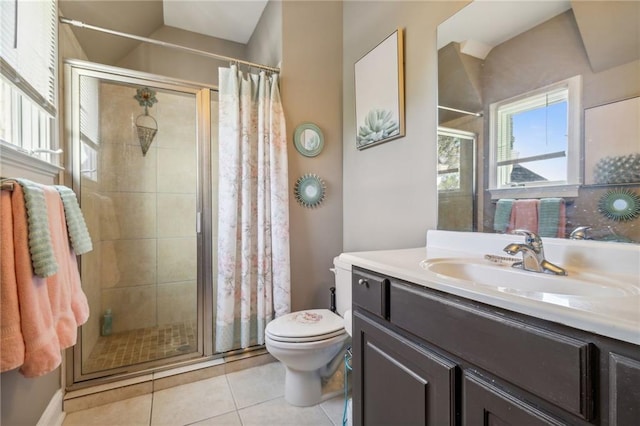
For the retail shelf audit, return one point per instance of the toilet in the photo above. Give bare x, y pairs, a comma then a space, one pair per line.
311, 343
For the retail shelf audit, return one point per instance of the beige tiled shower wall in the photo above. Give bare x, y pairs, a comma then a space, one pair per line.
142, 218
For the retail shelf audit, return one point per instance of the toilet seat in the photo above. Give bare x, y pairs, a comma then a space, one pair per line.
306, 326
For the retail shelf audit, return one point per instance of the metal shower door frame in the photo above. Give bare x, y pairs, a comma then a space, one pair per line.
73, 71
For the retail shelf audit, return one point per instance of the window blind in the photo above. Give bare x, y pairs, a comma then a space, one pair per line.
28, 48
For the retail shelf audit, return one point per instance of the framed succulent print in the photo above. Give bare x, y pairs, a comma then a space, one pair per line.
379, 87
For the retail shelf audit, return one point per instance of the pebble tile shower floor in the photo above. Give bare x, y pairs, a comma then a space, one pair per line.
141, 345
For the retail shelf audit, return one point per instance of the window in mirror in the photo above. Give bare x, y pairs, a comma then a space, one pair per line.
448, 162
456, 179
535, 138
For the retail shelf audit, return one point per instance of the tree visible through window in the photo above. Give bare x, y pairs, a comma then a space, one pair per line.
448, 163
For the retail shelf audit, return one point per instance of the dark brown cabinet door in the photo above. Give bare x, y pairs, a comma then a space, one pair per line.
559, 367
488, 405
624, 390
398, 382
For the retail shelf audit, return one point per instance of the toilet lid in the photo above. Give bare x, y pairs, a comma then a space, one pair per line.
306, 324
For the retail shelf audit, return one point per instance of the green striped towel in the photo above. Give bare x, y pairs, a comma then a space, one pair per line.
502, 216
43, 260
76, 226
549, 216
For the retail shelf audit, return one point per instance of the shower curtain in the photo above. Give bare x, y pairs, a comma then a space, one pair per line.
253, 282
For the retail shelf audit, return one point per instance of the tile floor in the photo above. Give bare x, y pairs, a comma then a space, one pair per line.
249, 397
141, 345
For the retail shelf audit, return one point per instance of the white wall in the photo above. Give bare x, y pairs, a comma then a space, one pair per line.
265, 44
179, 64
390, 196
311, 92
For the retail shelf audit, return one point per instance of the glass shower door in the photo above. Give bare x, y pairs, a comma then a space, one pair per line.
143, 278
456, 180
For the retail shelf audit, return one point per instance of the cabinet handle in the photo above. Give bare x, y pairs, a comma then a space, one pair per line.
363, 282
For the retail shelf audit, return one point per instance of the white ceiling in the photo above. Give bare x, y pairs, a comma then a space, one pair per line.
235, 20
232, 20
510, 18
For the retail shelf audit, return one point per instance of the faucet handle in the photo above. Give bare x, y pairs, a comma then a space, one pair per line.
580, 233
529, 237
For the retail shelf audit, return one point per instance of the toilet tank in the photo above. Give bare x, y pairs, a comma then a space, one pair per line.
342, 271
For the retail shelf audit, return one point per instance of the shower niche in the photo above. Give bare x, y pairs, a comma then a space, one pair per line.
149, 212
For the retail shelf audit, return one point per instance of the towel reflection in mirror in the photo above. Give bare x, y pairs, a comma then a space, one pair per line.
546, 216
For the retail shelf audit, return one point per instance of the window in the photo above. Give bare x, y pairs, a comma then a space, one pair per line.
535, 142
456, 161
28, 59
448, 162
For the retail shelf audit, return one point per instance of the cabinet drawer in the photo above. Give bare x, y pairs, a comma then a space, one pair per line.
550, 365
370, 291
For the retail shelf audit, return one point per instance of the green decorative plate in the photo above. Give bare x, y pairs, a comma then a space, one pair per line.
620, 204
309, 190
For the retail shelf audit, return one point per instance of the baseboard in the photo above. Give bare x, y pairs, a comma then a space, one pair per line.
53, 414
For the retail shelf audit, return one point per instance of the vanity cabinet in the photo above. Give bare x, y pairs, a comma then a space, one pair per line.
425, 357
402, 382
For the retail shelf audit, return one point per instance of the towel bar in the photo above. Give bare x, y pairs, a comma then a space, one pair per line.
567, 201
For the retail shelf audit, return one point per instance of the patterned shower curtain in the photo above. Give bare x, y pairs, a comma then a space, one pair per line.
253, 283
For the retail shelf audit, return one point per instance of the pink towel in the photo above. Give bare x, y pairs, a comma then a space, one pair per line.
42, 348
50, 309
524, 215
68, 302
11, 343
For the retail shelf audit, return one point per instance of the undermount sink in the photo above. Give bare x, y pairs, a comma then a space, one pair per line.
506, 279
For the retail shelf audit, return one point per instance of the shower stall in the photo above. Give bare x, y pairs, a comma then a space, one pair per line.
143, 162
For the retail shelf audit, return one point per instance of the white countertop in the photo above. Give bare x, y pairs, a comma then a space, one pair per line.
618, 318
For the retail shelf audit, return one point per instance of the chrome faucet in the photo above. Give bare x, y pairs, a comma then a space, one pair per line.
580, 233
532, 254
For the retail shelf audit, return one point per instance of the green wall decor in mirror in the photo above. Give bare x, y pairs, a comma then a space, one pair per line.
612, 143
620, 204
308, 139
618, 169
309, 190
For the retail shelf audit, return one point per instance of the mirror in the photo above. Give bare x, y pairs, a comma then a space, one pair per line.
503, 65
308, 139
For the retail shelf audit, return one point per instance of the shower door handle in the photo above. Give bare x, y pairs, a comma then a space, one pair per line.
198, 222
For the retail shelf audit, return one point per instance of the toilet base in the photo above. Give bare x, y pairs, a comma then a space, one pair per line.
302, 388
